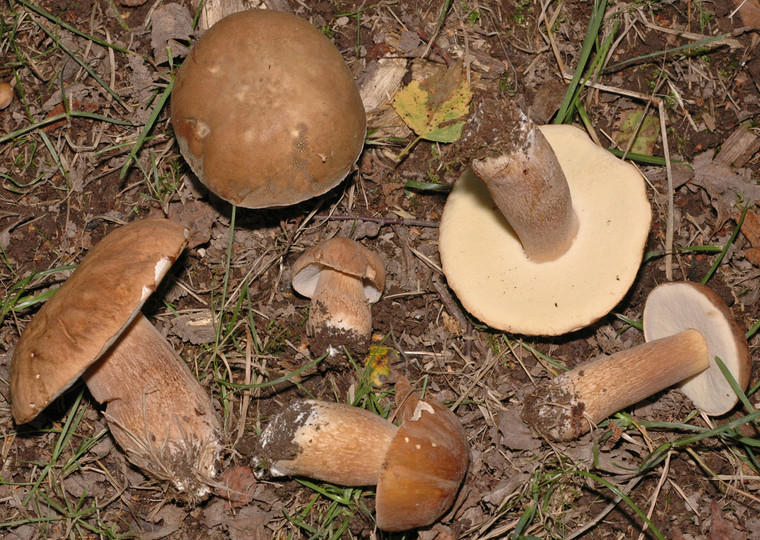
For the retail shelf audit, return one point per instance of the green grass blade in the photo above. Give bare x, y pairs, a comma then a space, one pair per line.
58, 22
53, 119
692, 45
616, 490
592, 33
284, 378
723, 252
734, 385
147, 129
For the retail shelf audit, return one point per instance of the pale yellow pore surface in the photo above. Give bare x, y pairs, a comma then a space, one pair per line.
675, 307
487, 268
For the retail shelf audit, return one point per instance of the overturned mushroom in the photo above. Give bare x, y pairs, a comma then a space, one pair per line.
544, 233
417, 466
342, 278
92, 328
265, 110
686, 326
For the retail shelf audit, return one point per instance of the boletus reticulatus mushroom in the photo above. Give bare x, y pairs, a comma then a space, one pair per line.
544, 233
686, 325
266, 111
92, 328
342, 278
417, 466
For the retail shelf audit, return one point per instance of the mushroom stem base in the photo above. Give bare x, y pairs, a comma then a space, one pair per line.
339, 304
530, 189
573, 402
157, 411
328, 441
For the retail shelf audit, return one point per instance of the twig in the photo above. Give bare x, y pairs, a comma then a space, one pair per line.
656, 494
449, 303
670, 218
383, 221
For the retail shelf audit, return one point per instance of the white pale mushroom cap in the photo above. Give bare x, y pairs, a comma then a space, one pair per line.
487, 268
674, 307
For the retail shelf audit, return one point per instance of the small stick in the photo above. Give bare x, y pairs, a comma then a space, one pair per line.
382, 221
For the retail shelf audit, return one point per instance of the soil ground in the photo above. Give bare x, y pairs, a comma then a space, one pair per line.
102, 66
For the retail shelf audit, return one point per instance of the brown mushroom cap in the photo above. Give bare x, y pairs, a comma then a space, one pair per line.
424, 468
6, 94
675, 307
342, 255
84, 318
265, 110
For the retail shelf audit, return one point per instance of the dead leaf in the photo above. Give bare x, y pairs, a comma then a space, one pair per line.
432, 107
250, 524
515, 435
195, 328
721, 528
644, 139
724, 184
198, 217
172, 25
751, 230
239, 482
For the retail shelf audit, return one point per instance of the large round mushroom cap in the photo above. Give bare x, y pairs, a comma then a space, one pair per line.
265, 110
87, 314
487, 268
675, 307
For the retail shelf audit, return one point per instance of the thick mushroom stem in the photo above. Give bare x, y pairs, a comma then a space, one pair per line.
340, 303
157, 411
328, 441
527, 184
573, 402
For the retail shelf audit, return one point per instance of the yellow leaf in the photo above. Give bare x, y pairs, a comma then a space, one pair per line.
377, 362
433, 107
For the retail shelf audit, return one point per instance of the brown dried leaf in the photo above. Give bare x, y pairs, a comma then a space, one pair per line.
172, 25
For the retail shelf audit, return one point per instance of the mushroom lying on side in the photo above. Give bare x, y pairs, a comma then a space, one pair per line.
686, 326
92, 328
417, 466
342, 278
544, 233
265, 110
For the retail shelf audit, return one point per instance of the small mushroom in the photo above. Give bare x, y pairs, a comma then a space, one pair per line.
544, 233
92, 328
417, 467
6, 94
686, 326
265, 110
342, 278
